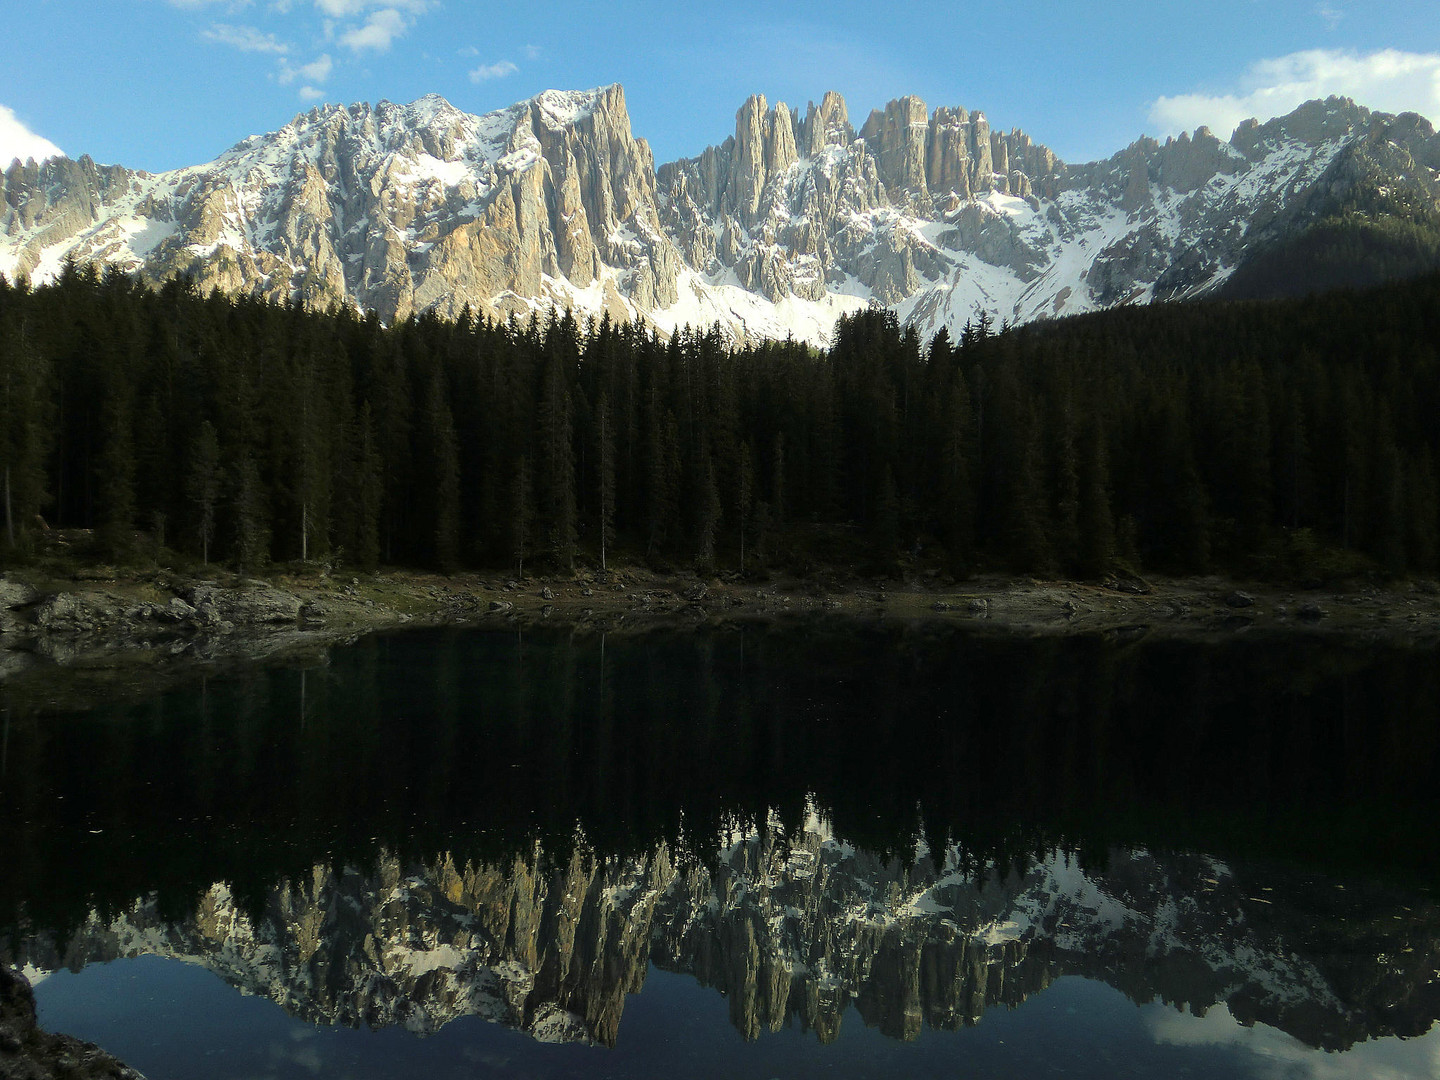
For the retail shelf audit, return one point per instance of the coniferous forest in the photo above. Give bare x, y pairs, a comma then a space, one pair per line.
1284, 438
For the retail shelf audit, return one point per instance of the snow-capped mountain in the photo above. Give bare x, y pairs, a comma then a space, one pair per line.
797, 925
788, 223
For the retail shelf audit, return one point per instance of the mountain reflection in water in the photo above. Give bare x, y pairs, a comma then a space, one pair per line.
797, 927
918, 824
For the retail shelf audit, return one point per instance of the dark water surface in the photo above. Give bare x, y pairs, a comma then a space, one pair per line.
812, 849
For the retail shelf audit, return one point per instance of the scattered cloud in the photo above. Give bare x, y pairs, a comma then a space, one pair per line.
1270, 1054
1330, 15
311, 93
193, 5
532, 52
317, 71
18, 141
497, 70
469, 52
349, 9
1389, 80
244, 38
377, 33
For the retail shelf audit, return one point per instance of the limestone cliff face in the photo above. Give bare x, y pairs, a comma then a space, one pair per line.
793, 219
396, 208
797, 926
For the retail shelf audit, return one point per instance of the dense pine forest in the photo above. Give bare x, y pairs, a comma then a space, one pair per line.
1286, 438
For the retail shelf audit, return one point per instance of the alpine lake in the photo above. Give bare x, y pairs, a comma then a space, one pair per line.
816, 847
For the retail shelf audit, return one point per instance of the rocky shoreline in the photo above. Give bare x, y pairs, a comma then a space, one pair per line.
90, 636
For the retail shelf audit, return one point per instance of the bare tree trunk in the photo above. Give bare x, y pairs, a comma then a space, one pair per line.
9, 514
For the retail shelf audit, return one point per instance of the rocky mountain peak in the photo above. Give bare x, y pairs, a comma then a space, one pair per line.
829, 125
790, 221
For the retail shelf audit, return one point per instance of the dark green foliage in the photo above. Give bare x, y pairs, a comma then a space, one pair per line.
1291, 437
26, 419
202, 484
442, 475
1344, 251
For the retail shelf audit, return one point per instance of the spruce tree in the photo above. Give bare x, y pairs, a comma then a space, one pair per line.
521, 514
605, 471
250, 518
444, 475
26, 422
203, 483
556, 472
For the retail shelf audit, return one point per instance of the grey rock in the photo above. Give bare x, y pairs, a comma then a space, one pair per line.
501, 606
67, 613
1311, 612
253, 604
1238, 599
177, 610
15, 593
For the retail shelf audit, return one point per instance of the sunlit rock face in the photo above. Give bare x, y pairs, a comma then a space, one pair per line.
795, 926
795, 218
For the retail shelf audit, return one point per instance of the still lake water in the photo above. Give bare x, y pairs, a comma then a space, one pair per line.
822, 848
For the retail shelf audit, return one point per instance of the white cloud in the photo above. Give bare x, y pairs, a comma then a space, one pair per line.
347, 9
317, 71
469, 52
311, 93
378, 32
231, 5
244, 38
493, 71
1270, 1054
1389, 80
18, 141
1330, 15
532, 52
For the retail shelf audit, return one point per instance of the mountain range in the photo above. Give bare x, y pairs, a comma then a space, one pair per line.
791, 221
795, 926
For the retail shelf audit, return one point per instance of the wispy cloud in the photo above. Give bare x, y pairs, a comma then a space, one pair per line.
244, 38
496, 70
311, 93
18, 141
1389, 80
349, 9
194, 5
1330, 15
317, 71
532, 52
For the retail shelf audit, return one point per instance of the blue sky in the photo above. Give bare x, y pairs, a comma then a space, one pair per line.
157, 84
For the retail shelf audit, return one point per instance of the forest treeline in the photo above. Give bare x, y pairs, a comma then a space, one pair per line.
1293, 437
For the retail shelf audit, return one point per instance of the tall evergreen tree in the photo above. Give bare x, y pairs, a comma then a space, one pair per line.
203, 482
521, 514
605, 472
443, 464
26, 420
556, 467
